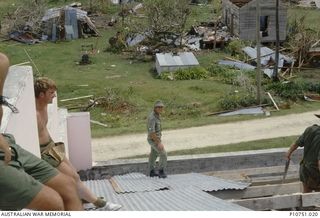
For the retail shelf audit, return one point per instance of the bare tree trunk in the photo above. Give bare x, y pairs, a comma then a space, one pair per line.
258, 73
275, 71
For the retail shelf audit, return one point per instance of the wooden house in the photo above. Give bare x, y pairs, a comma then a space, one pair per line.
240, 17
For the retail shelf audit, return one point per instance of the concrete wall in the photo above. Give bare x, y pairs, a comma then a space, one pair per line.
196, 163
23, 125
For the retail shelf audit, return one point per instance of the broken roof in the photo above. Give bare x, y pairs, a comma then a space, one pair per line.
55, 12
175, 198
266, 55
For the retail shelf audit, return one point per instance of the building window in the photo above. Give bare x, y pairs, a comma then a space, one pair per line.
264, 24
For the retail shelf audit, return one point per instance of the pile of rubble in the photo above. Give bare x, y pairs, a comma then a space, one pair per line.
31, 24
267, 61
203, 36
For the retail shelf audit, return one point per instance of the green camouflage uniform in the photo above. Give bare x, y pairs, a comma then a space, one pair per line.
20, 180
309, 169
154, 126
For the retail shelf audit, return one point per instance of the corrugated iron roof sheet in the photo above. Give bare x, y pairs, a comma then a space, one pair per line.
254, 111
181, 59
55, 12
266, 55
189, 199
137, 182
237, 64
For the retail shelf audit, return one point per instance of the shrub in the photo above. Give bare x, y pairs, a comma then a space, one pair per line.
289, 90
222, 73
194, 73
235, 101
235, 47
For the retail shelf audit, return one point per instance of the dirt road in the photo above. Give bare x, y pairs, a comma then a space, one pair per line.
196, 137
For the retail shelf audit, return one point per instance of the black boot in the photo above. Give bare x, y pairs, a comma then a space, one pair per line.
153, 173
162, 174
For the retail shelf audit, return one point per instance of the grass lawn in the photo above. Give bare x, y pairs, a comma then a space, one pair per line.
282, 142
131, 83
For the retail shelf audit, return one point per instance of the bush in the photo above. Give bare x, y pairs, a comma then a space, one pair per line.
235, 47
194, 73
290, 90
235, 101
222, 73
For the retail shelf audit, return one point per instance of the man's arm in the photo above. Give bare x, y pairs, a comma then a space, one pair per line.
153, 135
292, 148
4, 146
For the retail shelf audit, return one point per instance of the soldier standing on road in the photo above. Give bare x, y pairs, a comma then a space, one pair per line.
154, 139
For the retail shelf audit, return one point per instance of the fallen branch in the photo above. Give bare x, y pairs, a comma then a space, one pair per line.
274, 103
98, 123
71, 99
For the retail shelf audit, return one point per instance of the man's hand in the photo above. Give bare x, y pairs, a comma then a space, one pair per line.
160, 146
288, 155
4, 147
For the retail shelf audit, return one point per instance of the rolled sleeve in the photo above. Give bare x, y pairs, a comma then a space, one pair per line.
301, 140
151, 125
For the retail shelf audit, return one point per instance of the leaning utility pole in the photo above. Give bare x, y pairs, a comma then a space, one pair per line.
258, 73
275, 70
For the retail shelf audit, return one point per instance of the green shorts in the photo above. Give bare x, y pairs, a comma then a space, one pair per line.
310, 177
22, 179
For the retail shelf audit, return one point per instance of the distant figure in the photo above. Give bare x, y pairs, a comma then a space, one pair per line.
310, 164
26, 181
154, 139
53, 153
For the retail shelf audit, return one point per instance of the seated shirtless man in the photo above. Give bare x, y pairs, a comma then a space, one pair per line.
26, 181
45, 89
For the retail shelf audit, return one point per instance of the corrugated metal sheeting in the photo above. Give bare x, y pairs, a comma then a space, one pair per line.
266, 55
135, 182
181, 59
237, 64
188, 199
55, 13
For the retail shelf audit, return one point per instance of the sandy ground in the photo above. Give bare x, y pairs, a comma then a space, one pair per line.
270, 127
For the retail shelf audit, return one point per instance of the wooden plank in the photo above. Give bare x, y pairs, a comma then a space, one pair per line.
248, 173
260, 191
274, 103
310, 199
76, 98
271, 203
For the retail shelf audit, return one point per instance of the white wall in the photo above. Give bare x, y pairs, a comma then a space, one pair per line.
79, 140
23, 125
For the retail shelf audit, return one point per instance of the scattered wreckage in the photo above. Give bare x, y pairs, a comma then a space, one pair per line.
65, 23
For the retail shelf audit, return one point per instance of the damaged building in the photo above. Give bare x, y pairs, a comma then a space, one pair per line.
240, 17
67, 23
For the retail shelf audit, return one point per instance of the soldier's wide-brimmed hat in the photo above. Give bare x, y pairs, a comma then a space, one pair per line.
158, 104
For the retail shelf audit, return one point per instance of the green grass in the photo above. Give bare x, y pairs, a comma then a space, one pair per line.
281, 142
187, 102
311, 16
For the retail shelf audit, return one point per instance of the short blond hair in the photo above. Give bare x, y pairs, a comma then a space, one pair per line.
43, 84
